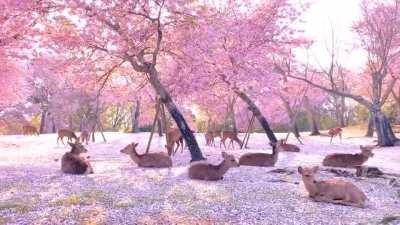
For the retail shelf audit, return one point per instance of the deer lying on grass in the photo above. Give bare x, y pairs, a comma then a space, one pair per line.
155, 160
233, 136
73, 163
29, 130
85, 136
202, 170
284, 147
336, 191
260, 159
66, 133
333, 132
174, 136
349, 160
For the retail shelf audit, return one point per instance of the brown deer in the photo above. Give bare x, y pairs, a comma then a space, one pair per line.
233, 136
260, 159
73, 163
210, 137
284, 147
29, 130
155, 160
202, 170
333, 132
349, 160
85, 136
66, 133
336, 191
174, 136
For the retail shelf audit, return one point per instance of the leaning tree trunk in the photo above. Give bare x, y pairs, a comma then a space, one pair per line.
165, 98
312, 118
159, 127
292, 117
135, 117
384, 131
42, 122
257, 113
370, 128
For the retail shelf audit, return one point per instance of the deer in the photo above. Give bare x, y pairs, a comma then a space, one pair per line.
154, 160
202, 170
260, 159
174, 136
210, 136
333, 132
66, 133
283, 146
29, 130
349, 160
73, 163
85, 136
335, 190
233, 136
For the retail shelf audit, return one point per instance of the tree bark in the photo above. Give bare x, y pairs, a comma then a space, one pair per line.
384, 131
159, 127
42, 122
370, 128
257, 113
165, 98
135, 117
311, 118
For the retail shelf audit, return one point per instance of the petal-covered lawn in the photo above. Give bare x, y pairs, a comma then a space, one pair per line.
34, 191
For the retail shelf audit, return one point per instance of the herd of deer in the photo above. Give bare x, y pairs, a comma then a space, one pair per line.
334, 190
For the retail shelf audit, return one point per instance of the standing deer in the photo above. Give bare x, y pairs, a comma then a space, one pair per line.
85, 136
336, 191
155, 160
284, 147
333, 132
260, 159
174, 136
66, 133
349, 160
73, 163
29, 130
233, 136
210, 137
202, 170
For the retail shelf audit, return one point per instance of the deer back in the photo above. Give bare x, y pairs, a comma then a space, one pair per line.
157, 160
259, 159
66, 133
344, 160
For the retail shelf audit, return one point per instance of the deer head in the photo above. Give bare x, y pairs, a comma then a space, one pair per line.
77, 148
229, 160
367, 150
130, 149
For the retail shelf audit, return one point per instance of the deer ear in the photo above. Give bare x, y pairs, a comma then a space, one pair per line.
224, 154
135, 144
300, 170
71, 144
315, 169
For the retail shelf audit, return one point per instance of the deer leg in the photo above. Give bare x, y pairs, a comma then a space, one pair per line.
182, 144
331, 139
57, 140
340, 136
223, 142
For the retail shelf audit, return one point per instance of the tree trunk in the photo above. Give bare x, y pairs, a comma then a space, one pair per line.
42, 122
159, 127
135, 113
384, 131
370, 128
232, 114
342, 120
312, 118
292, 117
165, 98
257, 113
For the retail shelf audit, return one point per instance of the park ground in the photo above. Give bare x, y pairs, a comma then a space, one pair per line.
34, 191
